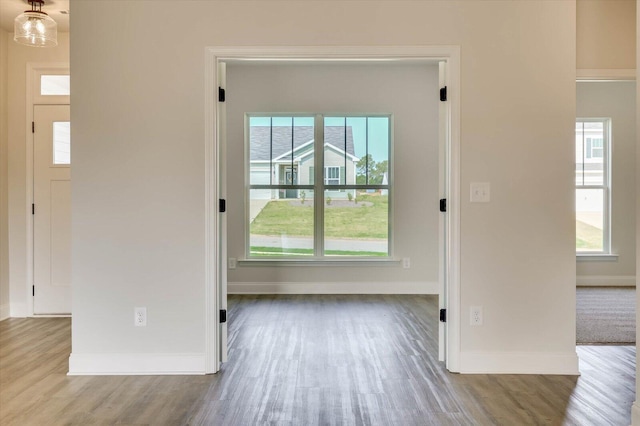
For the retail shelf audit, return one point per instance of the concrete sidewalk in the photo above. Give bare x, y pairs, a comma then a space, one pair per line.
255, 207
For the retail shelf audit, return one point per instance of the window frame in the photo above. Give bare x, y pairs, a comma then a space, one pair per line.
319, 187
606, 181
38, 97
591, 147
327, 170
64, 76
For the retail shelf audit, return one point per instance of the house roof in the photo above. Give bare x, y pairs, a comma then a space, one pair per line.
260, 137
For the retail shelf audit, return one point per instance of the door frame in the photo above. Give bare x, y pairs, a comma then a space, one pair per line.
215, 59
34, 71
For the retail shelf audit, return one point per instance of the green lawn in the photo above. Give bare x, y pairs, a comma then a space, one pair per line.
368, 219
588, 237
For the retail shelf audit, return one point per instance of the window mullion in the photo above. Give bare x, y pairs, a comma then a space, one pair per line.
293, 135
318, 245
345, 155
271, 170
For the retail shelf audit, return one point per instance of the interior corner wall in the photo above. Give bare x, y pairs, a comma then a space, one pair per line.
409, 92
4, 238
18, 205
617, 101
606, 34
138, 176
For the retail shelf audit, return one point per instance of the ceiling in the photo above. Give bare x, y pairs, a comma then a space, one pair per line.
9, 9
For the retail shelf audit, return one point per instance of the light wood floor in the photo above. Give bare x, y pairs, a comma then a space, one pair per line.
310, 360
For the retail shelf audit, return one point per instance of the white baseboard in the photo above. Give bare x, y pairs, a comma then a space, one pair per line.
136, 364
5, 312
479, 362
382, 287
18, 310
606, 280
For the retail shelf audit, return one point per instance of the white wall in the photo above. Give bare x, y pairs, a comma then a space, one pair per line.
606, 35
410, 93
4, 239
616, 100
138, 177
18, 58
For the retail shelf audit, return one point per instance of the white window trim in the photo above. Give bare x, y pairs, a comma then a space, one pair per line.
605, 253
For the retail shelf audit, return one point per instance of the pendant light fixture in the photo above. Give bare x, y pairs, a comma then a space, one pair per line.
35, 28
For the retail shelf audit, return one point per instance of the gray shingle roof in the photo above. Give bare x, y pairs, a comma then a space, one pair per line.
261, 135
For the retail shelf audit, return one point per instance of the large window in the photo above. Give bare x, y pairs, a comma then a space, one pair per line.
318, 186
592, 185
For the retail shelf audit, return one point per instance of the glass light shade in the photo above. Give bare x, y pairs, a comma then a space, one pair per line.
35, 28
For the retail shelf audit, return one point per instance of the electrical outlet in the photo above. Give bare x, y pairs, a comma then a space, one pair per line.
232, 263
475, 315
140, 317
406, 262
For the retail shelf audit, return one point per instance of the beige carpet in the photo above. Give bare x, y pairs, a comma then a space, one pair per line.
606, 315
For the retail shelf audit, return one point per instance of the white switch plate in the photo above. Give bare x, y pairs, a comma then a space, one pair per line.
480, 192
232, 263
406, 262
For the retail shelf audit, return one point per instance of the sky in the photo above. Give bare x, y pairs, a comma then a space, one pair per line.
378, 134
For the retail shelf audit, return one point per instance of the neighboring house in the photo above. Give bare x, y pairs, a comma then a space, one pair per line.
282, 155
590, 151
385, 181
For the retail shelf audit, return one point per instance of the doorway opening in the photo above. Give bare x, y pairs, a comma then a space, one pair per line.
48, 283
605, 140
447, 154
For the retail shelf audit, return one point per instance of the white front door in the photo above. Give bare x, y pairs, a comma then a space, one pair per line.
51, 210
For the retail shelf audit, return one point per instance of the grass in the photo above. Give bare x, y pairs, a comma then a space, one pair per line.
588, 237
278, 251
361, 222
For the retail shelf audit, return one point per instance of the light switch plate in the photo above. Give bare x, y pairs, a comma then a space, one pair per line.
480, 192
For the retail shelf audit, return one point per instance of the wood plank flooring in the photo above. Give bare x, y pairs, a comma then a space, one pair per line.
310, 360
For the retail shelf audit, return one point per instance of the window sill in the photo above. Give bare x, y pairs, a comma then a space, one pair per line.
320, 262
596, 257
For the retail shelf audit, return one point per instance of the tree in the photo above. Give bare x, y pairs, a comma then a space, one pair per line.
376, 170
361, 169
376, 175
